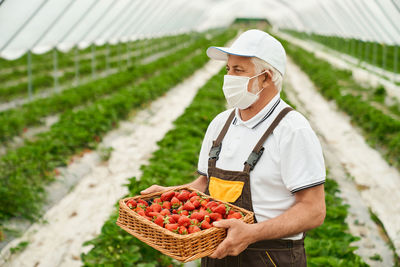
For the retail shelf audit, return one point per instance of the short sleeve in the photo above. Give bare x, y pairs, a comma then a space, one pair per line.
302, 161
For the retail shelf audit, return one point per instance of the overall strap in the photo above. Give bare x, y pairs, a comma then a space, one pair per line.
259, 149
216, 146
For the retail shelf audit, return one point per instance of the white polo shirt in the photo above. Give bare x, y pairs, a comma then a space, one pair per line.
292, 159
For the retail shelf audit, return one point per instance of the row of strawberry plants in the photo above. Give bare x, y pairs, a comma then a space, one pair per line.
14, 121
378, 54
44, 63
24, 172
45, 78
380, 129
67, 58
175, 162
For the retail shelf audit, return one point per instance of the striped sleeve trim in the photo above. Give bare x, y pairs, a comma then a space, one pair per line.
201, 173
307, 186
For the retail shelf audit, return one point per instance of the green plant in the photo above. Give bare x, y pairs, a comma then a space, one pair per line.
20, 247
25, 171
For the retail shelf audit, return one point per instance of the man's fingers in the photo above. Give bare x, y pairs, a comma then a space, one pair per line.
151, 189
221, 250
224, 223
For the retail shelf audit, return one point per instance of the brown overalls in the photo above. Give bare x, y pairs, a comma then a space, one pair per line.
234, 187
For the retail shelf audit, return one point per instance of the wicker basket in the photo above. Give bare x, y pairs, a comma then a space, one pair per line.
181, 247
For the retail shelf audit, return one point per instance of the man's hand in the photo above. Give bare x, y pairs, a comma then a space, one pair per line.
152, 189
238, 238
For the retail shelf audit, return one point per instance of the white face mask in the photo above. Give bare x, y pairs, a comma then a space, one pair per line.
235, 91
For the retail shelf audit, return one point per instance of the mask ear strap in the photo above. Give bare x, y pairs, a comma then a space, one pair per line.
258, 74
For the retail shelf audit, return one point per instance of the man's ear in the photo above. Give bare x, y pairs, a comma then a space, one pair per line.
267, 77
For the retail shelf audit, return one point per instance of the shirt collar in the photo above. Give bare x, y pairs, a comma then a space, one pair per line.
260, 116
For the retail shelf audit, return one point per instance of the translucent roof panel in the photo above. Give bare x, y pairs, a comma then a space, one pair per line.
40, 25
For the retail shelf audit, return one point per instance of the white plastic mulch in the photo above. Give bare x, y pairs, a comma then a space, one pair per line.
79, 215
372, 182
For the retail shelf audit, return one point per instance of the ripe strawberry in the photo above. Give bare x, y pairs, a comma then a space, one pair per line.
168, 219
193, 198
167, 196
188, 206
195, 215
156, 207
131, 203
196, 203
204, 203
175, 202
166, 205
194, 222
182, 230
140, 205
192, 194
172, 227
211, 204
159, 220
165, 212
183, 195
157, 200
184, 212
140, 211
215, 216
193, 229
175, 217
152, 213
184, 221
205, 225
235, 215
141, 201
221, 209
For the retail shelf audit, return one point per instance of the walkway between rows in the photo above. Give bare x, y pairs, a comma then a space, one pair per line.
79, 216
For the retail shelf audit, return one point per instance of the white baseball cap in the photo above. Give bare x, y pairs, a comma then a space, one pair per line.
253, 43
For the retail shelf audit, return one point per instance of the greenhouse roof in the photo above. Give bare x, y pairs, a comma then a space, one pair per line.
41, 25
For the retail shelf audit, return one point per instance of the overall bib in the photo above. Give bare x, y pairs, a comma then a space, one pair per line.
234, 187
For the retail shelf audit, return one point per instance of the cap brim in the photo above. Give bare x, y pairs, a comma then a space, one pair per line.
221, 53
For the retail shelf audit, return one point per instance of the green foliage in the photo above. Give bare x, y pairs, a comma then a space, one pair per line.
14, 121
378, 54
25, 171
20, 247
42, 68
380, 129
330, 244
174, 163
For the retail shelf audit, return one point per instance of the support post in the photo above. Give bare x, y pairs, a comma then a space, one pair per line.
384, 56
128, 54
29, 75
55, 64
93, 61
119, 55
396, 58
76, 65
108, 57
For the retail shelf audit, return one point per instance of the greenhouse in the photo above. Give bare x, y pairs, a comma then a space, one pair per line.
199, 133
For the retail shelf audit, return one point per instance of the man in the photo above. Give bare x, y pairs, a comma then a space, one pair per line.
263, 156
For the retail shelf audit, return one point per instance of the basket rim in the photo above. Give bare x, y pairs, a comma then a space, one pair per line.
246, 212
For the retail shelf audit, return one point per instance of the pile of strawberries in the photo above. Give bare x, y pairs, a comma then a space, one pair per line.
183, 212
